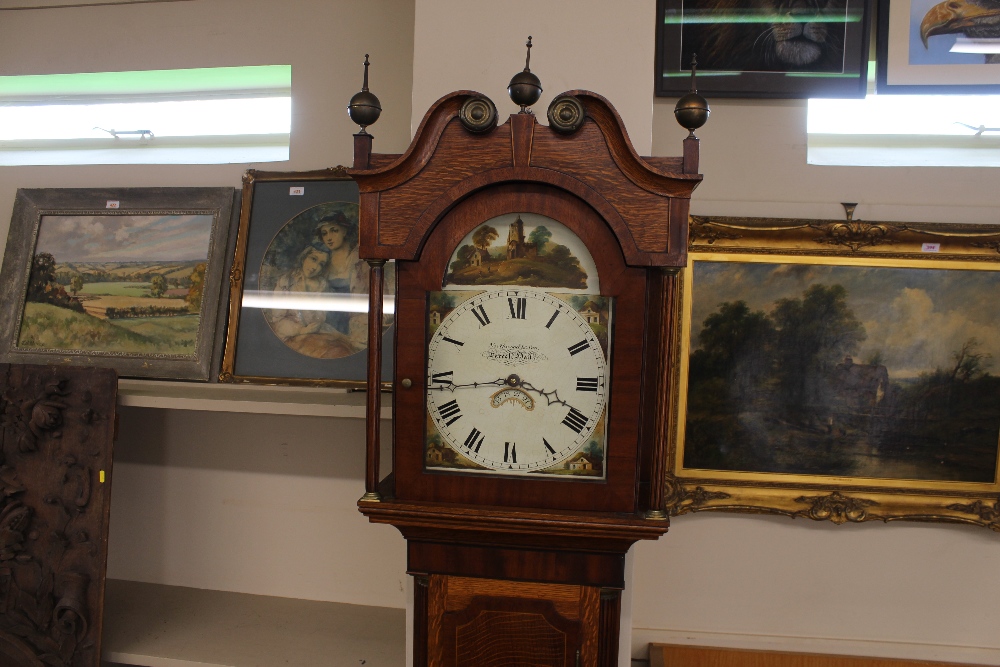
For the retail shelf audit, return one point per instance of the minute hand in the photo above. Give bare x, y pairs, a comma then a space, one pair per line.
552, 397
453, 386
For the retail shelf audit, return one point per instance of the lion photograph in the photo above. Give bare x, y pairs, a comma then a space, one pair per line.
764, 35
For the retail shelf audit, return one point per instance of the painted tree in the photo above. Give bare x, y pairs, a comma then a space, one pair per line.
197, 289
484, 237
76, 284
734, 345
540, 236
157, 286
814, 334
43, 275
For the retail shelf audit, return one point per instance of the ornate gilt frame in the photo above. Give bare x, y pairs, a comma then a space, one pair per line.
823, 498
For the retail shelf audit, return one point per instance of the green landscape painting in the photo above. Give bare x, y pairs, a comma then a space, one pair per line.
876, 372
117, 283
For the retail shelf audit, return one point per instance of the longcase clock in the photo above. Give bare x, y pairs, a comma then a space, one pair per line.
536, 268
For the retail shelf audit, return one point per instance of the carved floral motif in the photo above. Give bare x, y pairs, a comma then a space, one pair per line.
990, 514
836, 507
33, 418
47, 554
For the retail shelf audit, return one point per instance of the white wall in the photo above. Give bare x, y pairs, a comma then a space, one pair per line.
606, 47
922, 591
248, 503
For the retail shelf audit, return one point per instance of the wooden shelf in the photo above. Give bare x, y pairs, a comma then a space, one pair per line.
305, 401
171, 626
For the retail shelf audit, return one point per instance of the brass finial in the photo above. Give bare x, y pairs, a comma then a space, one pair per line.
849, 210
692, 109
525, 88
364, 108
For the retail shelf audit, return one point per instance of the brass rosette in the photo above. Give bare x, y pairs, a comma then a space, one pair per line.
478, 114
565, 114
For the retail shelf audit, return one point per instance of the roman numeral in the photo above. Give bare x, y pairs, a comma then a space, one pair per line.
450, 411
575, 349
586, 384
552, 319
509, 453
519, 310
548, 447
475, 440
575, 420
454, 342
481, 315
442, 378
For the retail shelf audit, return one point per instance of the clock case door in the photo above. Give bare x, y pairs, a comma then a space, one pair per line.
630, 211
627, 286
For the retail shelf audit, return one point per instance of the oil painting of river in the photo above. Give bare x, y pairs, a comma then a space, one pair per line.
883, 372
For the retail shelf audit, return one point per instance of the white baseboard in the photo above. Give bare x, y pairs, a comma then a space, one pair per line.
977, 655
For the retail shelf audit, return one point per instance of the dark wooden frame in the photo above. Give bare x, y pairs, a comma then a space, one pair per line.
237, 273
764, 84
882, 68
29, 208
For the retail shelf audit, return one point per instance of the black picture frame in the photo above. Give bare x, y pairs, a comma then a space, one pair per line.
894, 42
254, 352
840, 72
92, 213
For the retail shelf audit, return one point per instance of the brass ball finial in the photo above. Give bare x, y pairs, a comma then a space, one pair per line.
525, 88
691, 110
364, 108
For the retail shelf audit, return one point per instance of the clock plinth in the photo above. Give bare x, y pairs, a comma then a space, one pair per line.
534, 323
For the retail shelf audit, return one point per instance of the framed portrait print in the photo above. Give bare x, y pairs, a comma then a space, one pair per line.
298, 309
839, 371
933, 47
764, 48
126, 278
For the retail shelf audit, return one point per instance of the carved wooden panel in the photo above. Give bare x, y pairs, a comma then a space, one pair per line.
57, 428
486, 622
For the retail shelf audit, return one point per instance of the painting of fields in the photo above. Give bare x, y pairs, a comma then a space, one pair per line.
121, 284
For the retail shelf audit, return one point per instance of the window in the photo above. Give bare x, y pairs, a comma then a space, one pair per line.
905, 130
193, 116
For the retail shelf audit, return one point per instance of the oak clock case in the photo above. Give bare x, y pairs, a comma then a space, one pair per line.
565, 421
519, 531
517, 367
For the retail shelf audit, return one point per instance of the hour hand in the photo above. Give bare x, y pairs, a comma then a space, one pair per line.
445, 382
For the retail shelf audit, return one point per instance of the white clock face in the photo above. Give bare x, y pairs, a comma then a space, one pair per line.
517, 380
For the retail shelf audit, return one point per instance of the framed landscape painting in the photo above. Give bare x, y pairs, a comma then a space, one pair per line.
125, 278
839, 371
933, 47
764, 48
298, 305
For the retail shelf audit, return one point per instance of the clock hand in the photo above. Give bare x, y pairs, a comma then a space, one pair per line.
453, 386
551, 397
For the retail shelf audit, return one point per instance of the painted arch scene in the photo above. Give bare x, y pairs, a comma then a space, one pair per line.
857, 371
523, 249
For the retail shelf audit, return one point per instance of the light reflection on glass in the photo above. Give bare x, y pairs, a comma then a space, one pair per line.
344, 303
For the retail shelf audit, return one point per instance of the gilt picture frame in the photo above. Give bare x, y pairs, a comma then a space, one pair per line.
838, 371
921, 50
298, 292
756, 52
122, 278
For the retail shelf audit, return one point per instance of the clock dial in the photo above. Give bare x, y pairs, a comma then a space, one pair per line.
517, 380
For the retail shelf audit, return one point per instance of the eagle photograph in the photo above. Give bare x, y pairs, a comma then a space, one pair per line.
955, 32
